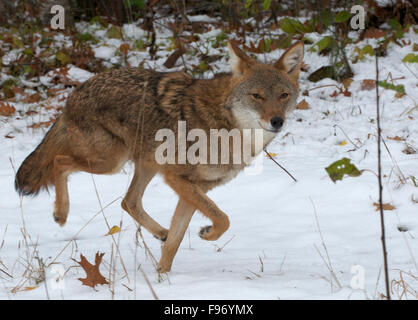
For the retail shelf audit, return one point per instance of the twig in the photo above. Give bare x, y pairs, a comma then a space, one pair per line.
268, 154
379, 172
109, 227
337, 126
148, 283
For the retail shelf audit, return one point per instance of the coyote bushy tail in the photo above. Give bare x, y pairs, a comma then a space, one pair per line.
36, 171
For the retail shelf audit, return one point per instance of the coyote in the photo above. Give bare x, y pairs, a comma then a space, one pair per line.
114, 116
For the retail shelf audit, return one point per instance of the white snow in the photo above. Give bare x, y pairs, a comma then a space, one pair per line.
77, 74
104, 52
274, 248
130, 30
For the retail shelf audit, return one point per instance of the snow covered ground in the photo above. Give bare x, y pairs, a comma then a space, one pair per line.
287, 240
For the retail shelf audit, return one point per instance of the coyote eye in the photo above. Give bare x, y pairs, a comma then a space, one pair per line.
284, 95
256, 96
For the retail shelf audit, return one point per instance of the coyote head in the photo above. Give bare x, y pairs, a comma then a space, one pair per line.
263, 94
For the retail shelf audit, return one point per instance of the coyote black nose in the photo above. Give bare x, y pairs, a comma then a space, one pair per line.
276, 122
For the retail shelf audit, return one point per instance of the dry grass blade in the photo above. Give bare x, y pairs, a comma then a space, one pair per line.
109, 227
328, 260
82, 228
148, 283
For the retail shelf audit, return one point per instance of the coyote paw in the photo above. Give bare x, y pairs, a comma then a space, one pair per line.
205, 232
162, 268
161, 238
59, 219
212, 233
162, 235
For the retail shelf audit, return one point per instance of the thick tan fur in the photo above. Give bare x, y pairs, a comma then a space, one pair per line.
114, 117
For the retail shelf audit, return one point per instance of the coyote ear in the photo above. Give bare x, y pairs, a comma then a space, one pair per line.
290, 62
238, 60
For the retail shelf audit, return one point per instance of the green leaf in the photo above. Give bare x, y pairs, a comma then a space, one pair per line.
287, 26
338, 169
324, 43
17, 43
27, 69
85, 37
266, 44
114, 32
28, 52
325, 18
367, 49
203, 67
411, 58
398, 88
266, 4
395, 25
342, 16
140, 4
248, 4
293, 26
221, 36
63, 58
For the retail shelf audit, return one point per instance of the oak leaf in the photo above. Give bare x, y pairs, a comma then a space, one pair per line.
94, 276
6, 109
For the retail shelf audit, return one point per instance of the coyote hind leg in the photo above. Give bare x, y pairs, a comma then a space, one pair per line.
132, 203
63, 166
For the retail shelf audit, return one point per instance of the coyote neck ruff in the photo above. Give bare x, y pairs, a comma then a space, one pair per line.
114, 117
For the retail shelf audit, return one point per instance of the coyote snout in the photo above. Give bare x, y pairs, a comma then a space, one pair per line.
114, 117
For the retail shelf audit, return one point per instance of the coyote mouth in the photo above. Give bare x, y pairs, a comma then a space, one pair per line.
269, 130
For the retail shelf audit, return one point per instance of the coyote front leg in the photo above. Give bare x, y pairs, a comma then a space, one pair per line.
195, 196
179, 223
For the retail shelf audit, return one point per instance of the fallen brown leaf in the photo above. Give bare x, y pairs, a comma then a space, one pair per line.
409, 149
347, 82
29, 288
36, 97
6, 109
396, 138
124, 48
94, 276
44, 124
303, 105
385, 206
368, 84
373, 33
